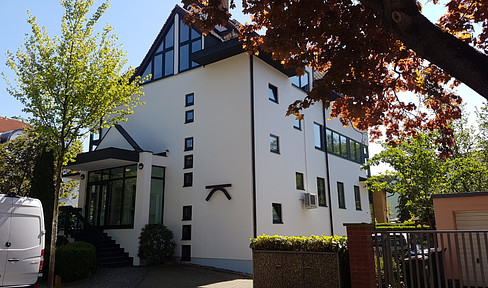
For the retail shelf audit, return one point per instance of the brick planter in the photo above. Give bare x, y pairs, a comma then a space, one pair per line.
295, 269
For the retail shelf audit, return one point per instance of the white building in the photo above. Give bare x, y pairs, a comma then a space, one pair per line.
212, 155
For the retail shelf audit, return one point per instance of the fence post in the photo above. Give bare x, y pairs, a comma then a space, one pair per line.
361, 257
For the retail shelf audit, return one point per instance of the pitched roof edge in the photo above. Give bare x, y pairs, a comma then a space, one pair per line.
128, 138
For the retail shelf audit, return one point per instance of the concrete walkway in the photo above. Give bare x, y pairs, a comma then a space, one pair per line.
165, 275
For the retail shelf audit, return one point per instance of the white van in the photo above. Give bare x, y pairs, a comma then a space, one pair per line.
21, 241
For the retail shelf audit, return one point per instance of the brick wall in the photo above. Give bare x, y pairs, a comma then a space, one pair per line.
361, 257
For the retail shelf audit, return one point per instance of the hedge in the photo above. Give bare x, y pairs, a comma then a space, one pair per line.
312, 243
406, 226
75, 260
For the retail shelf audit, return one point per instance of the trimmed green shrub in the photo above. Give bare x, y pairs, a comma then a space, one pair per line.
337, 244
156, 244
293, 243
75, 261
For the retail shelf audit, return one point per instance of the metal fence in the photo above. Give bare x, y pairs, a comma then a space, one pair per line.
431, 258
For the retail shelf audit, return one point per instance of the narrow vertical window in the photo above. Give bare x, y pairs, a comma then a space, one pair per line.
277, 216
357, 197
274, 144
297, 123
299, 181
188, 162
189, 116
186, 232
185, 253
188, 143
340, 195
187, 213
189, 99
156, 195
330, 142
321, 191
273, 93
188, 179
318, 138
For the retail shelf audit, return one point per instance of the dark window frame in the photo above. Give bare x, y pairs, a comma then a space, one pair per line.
191, 41
277, 208
321, 136
185, 253
321, 192
188, 179
357, 198
187, 213
273, 93
187, 161
162, 52
297, 124
299, 181
189, 116
189, 99
300, 79
189, 147
277, 138
335, 141
341, 195
186, 232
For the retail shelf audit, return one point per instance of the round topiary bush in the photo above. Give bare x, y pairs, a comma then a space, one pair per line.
156, 244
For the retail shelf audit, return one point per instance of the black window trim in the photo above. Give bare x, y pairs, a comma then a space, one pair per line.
189, 148
275, 93
279, 213
188, 179
277, 151
187, 114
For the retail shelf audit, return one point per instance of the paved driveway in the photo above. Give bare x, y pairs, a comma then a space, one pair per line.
166, 275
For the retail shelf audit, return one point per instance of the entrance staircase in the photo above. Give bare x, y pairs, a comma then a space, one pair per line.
109, 252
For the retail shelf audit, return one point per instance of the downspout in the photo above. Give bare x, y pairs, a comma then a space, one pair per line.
327, 170
253, 149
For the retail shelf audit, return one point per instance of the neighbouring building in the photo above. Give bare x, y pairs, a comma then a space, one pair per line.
10, 129
213, 157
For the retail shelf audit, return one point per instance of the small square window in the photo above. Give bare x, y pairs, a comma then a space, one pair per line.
185, 252
186, 232
340, 195
277, 217
357, 198
273, 93
189, 99
297, 123
187, 213
188, 162
187, 179
274, 144
299, 181
189, 116
188, 143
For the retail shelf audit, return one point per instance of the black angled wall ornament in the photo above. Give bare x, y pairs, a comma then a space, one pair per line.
219, 187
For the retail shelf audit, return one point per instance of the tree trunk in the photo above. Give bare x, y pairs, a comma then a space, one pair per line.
54, 229
457, 58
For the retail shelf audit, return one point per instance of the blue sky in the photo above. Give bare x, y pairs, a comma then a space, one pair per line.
136, 23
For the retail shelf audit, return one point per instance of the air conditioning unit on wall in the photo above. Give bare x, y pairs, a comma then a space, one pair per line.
309, 200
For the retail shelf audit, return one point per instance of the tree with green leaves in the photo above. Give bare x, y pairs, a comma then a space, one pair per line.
17, 159
70, 84
417, 174
418, 171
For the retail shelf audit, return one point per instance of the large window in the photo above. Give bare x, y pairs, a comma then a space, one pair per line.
190, 42
345, 147
321, 191
111, 197
162, 64
156, 197
340, 195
